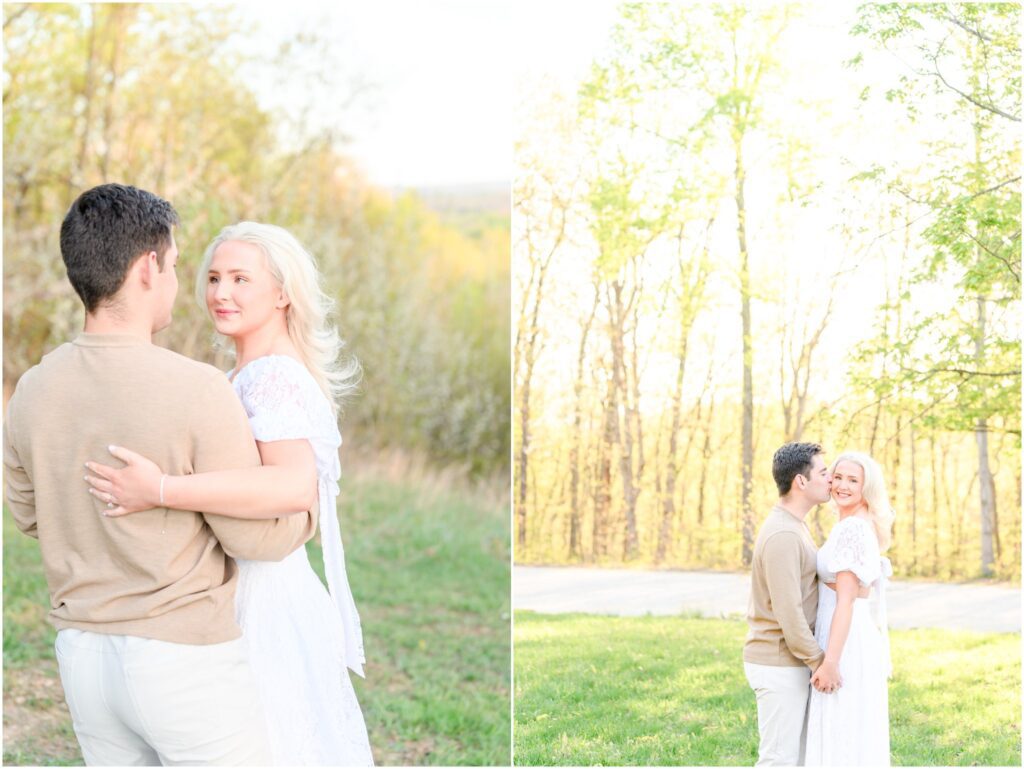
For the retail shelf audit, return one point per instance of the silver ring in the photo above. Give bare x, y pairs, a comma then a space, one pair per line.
110, 505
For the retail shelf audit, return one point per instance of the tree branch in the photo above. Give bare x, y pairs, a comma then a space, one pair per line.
963, 372
936, 209
15, 14
976, 102
976, 32
994, 254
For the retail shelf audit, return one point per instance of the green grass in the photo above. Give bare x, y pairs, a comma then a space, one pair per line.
661, 691
430, 573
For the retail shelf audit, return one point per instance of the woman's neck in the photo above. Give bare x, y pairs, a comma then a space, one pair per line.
854, 510
268, 340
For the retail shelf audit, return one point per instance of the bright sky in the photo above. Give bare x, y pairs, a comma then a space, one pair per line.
437, 110
442, 75
559, 39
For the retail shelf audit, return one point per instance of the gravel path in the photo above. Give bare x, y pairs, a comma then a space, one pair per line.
631, 592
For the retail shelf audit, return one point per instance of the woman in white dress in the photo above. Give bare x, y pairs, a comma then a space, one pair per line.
262, 290
849, 725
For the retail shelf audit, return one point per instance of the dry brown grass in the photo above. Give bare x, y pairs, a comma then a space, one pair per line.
392, 465
37, 724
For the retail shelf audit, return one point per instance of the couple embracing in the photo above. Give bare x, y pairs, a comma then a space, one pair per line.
191, 627
815, 656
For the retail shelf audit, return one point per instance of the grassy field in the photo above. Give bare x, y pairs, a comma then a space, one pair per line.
671, 691
430, 573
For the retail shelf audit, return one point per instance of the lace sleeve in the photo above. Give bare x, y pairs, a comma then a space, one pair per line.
856, 550
276, 400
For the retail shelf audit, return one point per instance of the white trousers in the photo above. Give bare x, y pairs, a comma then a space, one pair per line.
782, 694
141, 702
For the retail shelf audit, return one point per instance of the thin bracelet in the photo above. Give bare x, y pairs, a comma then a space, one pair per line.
162, 479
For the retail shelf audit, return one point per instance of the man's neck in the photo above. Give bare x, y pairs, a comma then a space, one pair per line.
105, 322
798, 507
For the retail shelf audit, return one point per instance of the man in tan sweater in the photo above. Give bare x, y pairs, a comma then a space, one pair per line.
151, 658
780, 652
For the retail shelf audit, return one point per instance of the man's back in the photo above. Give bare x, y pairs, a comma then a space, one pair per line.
158, 574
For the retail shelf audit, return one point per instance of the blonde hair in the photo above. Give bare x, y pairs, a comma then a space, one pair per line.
876, 496
315, 338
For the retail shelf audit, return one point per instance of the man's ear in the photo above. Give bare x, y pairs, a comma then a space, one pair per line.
147, 267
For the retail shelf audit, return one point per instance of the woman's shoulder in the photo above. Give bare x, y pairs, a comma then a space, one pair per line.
276, 370
854, 530
274, 378
278, 390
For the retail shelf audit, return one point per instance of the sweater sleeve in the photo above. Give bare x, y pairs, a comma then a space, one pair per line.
20, 491
782, 553
222, 441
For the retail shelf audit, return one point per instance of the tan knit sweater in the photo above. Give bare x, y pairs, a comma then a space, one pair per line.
162, 574
783, 595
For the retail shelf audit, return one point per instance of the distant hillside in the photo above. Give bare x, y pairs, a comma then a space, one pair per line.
463, 201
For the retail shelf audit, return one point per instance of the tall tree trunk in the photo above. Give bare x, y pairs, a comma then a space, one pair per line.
896, 485
986, 484
956, 512
634, 420
593, 486
913, 499
623, 432
747, 453
668, 503
937, 527
702, 483
524, 459
603, 500
575, 541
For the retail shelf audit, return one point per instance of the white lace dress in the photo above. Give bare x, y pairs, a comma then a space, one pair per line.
301, 638
850, 727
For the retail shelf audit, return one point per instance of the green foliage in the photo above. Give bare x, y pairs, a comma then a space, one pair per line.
160, 96
620, 227
670, 691
430, 572
957, 357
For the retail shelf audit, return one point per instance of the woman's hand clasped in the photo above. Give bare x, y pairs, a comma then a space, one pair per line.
826, 678
129, 489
